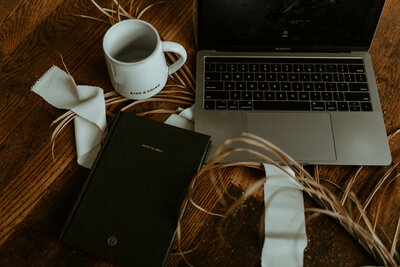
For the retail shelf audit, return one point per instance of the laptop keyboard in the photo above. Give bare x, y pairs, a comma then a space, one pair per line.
285, 84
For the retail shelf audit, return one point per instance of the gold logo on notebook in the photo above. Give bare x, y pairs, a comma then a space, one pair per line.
112, 241
152, 148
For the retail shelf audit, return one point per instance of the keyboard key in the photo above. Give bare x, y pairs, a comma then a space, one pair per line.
366, 106
315, 95
209, 104
293, 77
220, 67
349, 77
286, 86
354, 104
292, 96
209, 67
237, 76
229, 85
338, 77
280, 95
212, 76
258, 96
276, 67
357, 97
243, 67
245, 105
327, 77
298, 67
343, 106
233, 105
356, 68
231, 67
282, 77
226, 76
318, 106
304, 77
286, 67
248, 76
342, 68
253, 67
316, 77
320, 68
342, 87
220, 104
265, 67
308, 87
358, 87
331, 106
281, 105
331, 68
355, 108
269, 95
252, 86
216, 95
297, 86
304, 96
319, 87
361, 77
326, 96
260, 77
263, 86
270, 77
274, 86
330, 87
240, 86
235, 95
247, 95
338, 96
213, 85
309, 68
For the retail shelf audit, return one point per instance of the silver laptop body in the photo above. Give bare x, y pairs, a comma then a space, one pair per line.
323, 134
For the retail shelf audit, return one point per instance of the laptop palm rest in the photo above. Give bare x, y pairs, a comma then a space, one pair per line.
303, 136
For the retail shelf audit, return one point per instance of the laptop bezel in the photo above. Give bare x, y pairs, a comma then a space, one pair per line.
268, 48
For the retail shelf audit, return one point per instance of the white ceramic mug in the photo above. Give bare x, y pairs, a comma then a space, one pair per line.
135, 58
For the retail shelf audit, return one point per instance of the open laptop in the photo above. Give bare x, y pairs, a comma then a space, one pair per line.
295, 72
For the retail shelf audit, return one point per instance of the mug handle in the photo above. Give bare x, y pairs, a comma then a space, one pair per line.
178, 49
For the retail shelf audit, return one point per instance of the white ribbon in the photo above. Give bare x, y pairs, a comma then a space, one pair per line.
183, 120
285, 232
59, 89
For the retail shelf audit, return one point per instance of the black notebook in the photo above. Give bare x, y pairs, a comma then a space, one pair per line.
128, 208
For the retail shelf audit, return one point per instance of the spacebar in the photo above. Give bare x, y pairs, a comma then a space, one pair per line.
280, 105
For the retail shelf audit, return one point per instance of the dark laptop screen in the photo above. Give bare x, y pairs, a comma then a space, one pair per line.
287, 25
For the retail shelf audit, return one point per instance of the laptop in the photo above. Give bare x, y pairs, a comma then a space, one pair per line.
296, 73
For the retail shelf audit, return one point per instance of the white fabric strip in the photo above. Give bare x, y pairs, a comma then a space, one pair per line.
188, 113
183, 120
285, 233
59, 89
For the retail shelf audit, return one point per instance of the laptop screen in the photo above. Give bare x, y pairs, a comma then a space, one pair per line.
287, 25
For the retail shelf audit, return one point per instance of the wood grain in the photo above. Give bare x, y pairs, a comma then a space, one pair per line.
37, 192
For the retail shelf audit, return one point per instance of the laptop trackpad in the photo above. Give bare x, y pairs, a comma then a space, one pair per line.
306, 137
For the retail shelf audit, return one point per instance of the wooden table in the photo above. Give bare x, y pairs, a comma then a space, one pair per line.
37, 192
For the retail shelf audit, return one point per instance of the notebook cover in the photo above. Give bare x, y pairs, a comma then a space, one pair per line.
128, 208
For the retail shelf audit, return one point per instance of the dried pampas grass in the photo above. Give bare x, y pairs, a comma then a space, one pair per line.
117, 12
345, 207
